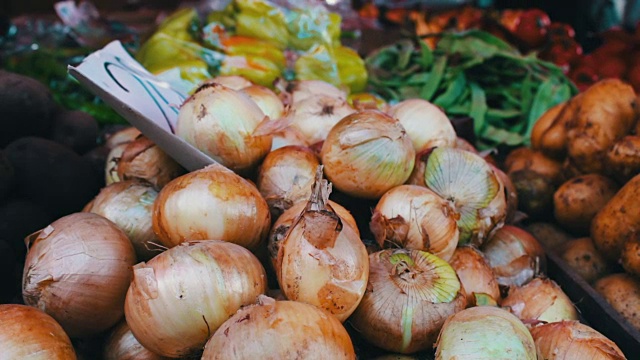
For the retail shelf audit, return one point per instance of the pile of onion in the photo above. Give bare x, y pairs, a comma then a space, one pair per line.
179, 298
78, 270
573, 340
540, 300
121, 344
141, 159
29, 334
414, 217
211, 203
314, 116
280, 330
409, 296
475, 274
367, 153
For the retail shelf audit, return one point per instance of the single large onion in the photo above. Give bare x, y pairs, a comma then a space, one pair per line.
367, 153
415, 217
475, 274
573, 340
144, 160
515, 256
315, 116
129, 204
179, 298
266, 99
78, 270
220, 122
541, 300
485, 333
29, 334
122, 345
409, 296
280, 330
286, 177
211, 203
321, 260
426, 124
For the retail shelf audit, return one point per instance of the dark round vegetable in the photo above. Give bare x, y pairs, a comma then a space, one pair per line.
98, 158
52, 175
535, 193
8, 284
26, 105
75, 129
19, 218
6, 175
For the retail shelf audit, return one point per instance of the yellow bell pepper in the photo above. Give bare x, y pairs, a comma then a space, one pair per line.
351, 68
242, 45
261, 20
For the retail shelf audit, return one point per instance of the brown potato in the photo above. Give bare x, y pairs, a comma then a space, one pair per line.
630, 257
535, 193
543, 123
577, 201
553, 141
524, 158
617, 220
622, 291
581, 255
623, 158
608, 111
549, 235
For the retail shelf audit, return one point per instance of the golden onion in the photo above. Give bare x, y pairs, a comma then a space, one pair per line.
540, 300
314, 116
122, 345
573, 340
144, 160
475, 274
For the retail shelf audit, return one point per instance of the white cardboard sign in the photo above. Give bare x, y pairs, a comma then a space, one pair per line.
149, 104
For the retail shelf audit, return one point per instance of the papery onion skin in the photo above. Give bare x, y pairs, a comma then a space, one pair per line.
426, 124
367, 153
475, 273
180, 297
304, 89
78, 270
30, 334
566, 340
211, 203
511, 194
314, 117
111, 165
414, 217
409, 296
234, 82
123, 136
266, 99
122, 345
274, 330
542, 300
288, 136
220, 122
515, 256
484, 333
286, 176
129, 204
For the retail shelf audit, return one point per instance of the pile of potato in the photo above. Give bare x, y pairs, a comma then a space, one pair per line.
583, 167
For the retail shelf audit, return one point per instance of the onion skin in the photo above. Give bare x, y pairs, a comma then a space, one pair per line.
144, 160
30, 334
78, 270
266, 99
573, 340
511, 194
414, 217
111, 165
622, 291
129, 204
304, 89
314, 117
211, 203
286, 177
475, 274
180, 297
409, 296
124, 136
273, 330
484, 333
235, 82
367, 153
541, 300
122, 345
515, 256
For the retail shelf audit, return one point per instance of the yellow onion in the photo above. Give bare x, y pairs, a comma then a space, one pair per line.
573, 340
286, 177
179, 298
304, 89
111, 165
122, 345
470, 184
409, 296
122, 136
361, 101
266, 99
78, 270
540, 300
367, 153
211, 203
287, 136
414, 217
220, 122
274, 329
463, 144
321, 260
314, 117
511, 194
515, 256
129, 204
485, 333
144, 160
427, 125
30, 334
475, 274
235, 82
